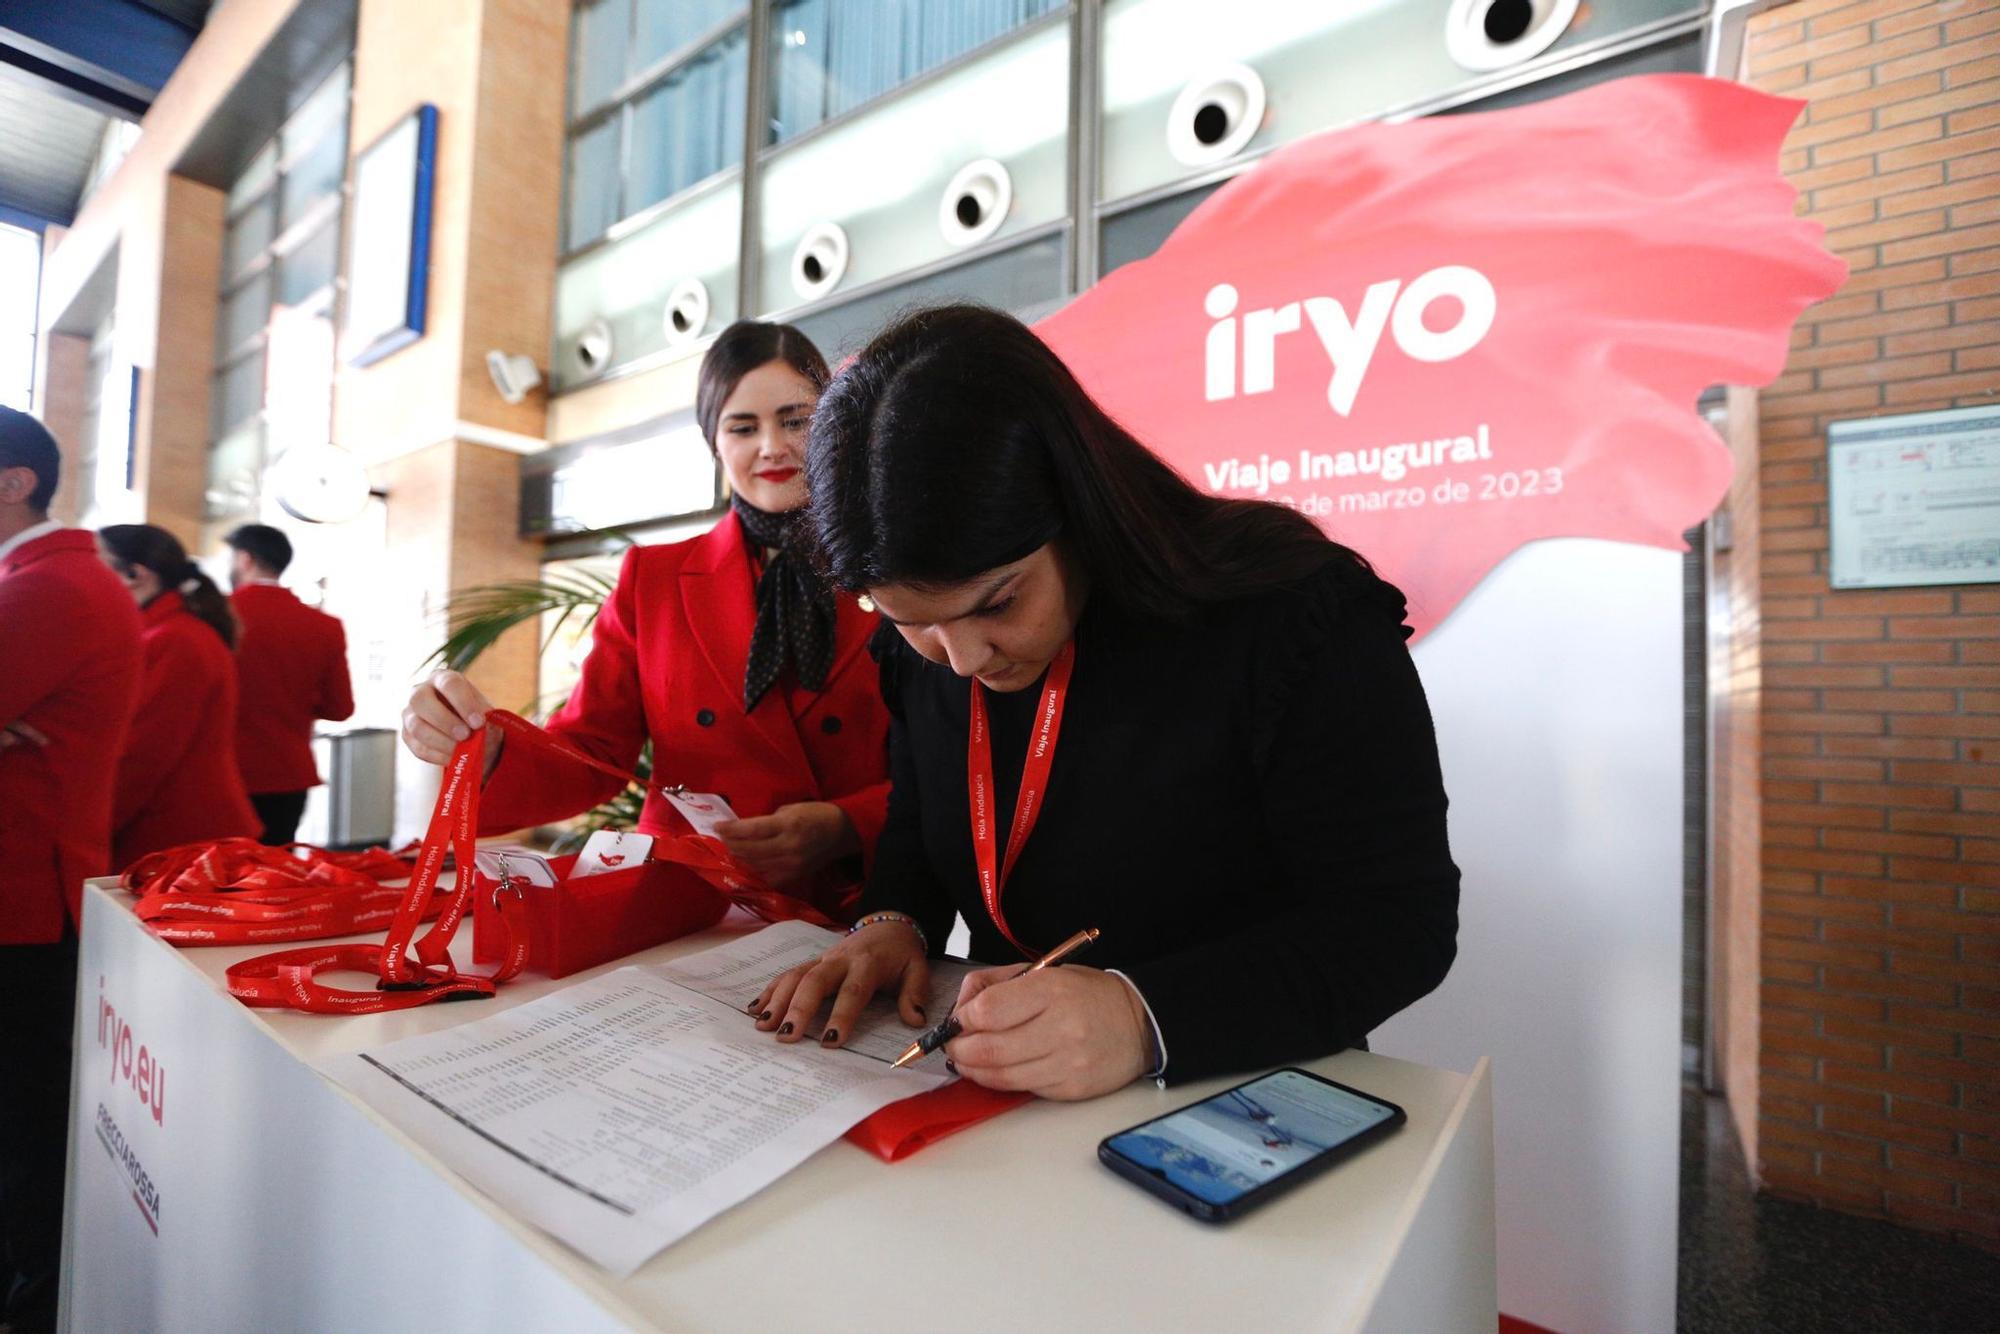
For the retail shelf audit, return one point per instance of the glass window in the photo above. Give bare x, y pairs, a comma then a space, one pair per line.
17, 370
1678, 57
20, 278
1137, 232
239, 393
602, 36
325, 109
593, 183
1321, 66
274, 353
309, 266
1009, 106
828, 58
314, 177
249, 236
665, 26
691, 125
1026, 281
677, 125
244, 314
627, 285
256, 178
235, 465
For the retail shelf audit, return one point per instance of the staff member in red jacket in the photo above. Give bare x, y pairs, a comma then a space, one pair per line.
291, 664
69, 663
744, 670
177, 779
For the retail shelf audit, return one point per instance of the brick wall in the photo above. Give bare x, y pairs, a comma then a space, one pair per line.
1879, 1088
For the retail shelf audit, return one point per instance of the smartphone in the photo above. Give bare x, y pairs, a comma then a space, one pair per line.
1219, 1158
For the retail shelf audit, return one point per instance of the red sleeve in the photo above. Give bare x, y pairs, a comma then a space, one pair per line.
32, 644
867, 810
605, 718
163, 726
336, 691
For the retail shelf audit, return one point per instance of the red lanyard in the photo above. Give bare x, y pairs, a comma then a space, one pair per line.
289, 978
1035, 768
236, 891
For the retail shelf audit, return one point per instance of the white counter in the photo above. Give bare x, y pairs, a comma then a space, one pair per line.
218, 1183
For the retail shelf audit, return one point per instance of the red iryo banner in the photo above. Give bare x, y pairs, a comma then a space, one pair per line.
1447, 338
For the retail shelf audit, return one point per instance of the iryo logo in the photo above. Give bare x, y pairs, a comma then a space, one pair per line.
1349, 343
140, 1069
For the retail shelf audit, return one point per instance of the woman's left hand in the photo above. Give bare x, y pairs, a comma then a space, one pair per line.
792, 842
1067, 1033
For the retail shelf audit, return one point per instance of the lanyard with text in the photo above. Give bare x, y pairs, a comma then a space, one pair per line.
289, 979
1035, 768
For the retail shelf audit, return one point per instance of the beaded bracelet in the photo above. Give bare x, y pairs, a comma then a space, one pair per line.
907, 920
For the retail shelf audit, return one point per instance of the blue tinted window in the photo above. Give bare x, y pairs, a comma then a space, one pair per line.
830, 56
598, 46
665, 26
691, 126
593, 183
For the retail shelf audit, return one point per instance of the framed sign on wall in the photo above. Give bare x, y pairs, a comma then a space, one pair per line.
389, 240
1914, 499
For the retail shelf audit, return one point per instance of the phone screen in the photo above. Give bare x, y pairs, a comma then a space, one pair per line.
1226, 1146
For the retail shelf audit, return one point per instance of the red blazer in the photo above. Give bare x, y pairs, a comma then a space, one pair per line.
177, 779
666, 663
291, 667
69, 665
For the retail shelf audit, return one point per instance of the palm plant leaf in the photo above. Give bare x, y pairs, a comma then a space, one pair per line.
477, 617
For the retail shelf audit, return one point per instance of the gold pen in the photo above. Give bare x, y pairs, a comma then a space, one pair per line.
939, 1034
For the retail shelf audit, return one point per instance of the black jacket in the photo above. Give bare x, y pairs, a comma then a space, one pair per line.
1248, 806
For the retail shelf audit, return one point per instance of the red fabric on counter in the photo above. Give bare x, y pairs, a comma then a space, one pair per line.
236, 891
900, 1129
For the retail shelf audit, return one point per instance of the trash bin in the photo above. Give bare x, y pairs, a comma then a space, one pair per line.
361, 787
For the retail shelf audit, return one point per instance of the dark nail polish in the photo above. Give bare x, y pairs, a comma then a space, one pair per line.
783, 1028
950, 1065
828, 1038
762, 1017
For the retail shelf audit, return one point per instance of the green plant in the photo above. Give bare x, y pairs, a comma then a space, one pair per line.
476, 618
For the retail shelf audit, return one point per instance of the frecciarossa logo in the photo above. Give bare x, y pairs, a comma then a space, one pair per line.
136, 1068
1506, 316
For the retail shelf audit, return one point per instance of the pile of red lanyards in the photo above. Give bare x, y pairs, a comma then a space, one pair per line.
235, 891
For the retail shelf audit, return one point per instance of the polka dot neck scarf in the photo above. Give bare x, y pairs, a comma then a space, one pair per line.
795, 611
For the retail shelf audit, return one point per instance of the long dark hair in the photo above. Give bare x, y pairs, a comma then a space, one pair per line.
742, 348
142, 546
957, 441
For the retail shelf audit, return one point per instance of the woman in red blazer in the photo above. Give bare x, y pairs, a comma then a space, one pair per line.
746, 672
177, 776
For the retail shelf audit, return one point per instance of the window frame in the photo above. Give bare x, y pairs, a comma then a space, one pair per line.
621, 105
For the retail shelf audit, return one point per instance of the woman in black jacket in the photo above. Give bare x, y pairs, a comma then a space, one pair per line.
1228, 762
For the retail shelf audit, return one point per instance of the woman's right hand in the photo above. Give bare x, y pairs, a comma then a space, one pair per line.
882, 956
441, 713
